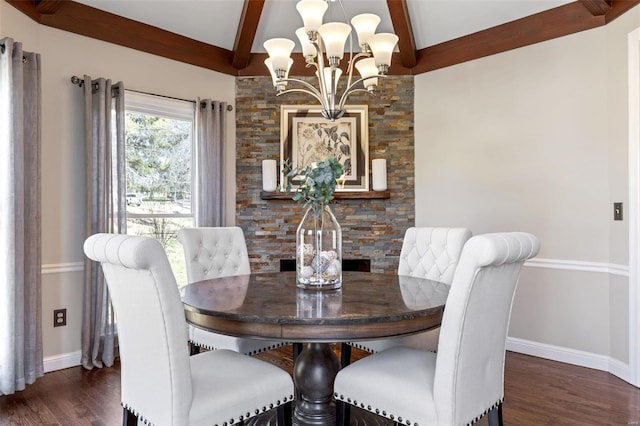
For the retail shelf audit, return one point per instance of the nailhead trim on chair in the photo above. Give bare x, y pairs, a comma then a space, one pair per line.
231, 420
377, 411
399, 419
257, 411
135, 412
359, 346
268, 348
486, 412
356, 345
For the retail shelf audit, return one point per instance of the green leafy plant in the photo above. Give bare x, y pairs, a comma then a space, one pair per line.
317, 181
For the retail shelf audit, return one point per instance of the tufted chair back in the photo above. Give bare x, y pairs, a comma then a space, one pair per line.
213, 252
432, 253
469, 373
150, 314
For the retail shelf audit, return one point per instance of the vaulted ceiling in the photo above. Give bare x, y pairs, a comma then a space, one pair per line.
227, 35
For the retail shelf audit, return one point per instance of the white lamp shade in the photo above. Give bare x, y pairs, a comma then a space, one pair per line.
334, 36
269, 175
365, 26
379, 174
367, 68
308, 49
382, 46
312, 12
279, 50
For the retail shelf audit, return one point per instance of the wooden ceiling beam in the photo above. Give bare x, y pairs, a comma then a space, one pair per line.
48, 7
560, 21
402, 27
91, 22
618, 8
26, 7
246, 33
597, 7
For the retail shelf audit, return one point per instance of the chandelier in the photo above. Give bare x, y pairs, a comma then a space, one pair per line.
323, 48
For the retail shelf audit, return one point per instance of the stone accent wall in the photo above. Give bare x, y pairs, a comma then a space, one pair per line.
371, 229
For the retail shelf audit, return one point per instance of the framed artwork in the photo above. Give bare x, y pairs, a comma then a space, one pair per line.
307, 137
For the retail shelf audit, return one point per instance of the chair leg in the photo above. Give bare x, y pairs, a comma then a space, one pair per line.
193, 349
284, 414
345, 355
128, 418
495, 416
343, 413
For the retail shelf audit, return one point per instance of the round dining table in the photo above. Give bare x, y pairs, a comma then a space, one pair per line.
270, 306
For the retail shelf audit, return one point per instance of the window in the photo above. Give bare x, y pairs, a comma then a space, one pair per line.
158, 151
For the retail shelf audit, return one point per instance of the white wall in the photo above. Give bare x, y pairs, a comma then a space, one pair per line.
63, 55
535, 139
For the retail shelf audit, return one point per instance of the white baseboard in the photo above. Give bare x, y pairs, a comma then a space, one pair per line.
570, 356
62, 361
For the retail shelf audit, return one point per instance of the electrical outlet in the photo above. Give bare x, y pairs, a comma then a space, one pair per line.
617, 211
59, 317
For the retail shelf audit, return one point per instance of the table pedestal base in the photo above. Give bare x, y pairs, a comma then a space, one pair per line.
314, 372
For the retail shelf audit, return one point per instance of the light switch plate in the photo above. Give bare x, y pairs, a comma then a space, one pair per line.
617, 211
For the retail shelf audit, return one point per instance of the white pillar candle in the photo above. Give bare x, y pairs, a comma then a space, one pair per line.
269, 175
379, 174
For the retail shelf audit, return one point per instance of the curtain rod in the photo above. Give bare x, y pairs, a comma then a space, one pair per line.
80, 82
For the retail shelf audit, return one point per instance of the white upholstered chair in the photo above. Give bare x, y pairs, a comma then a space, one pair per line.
465, 378
212, 252
431, 253
160, 383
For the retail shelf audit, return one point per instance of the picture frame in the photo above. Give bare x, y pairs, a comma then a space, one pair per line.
307, 137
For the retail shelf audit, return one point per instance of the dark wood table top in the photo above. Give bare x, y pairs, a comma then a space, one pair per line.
270, 306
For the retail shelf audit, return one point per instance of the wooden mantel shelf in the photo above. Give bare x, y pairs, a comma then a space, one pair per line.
338, 195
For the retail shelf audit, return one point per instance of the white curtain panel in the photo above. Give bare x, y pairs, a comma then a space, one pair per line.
211, 130
105, 211
20, 240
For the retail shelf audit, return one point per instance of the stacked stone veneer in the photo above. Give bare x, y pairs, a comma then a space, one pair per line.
371, 228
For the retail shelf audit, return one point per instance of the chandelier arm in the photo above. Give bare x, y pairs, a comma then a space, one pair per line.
351, 89
309, 86
306, 92
352, 63
347, 94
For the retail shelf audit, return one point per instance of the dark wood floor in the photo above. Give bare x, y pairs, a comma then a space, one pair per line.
537, 392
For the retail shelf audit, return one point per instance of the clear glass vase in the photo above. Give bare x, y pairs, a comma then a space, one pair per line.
319, 250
